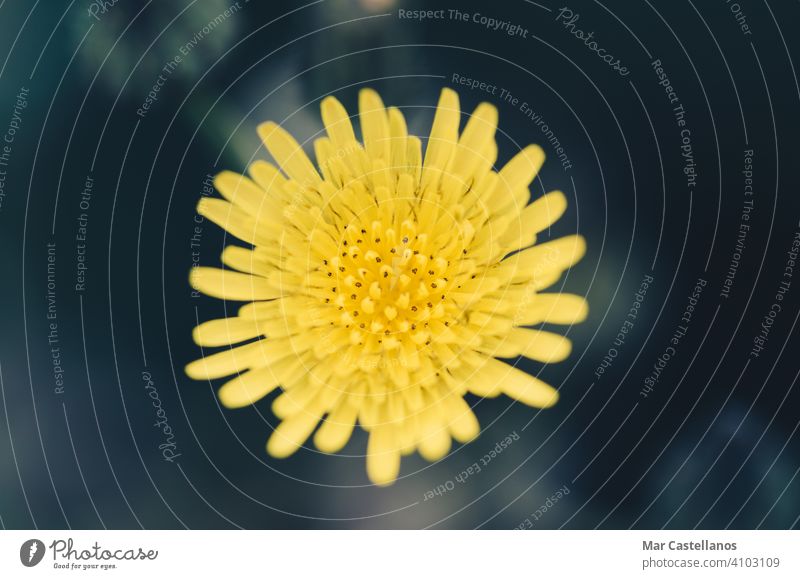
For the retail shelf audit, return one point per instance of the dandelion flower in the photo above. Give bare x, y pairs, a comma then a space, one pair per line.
382, 286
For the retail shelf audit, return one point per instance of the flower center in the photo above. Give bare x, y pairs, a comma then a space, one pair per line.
392, 284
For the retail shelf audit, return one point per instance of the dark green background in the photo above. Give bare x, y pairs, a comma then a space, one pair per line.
714, 445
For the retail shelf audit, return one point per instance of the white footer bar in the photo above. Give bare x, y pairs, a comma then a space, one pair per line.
390, 554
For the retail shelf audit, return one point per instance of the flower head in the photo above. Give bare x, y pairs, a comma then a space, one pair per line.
381, 287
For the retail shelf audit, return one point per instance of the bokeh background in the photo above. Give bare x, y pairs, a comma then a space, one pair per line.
714, 444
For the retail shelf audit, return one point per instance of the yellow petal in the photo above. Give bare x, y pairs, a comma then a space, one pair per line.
442, 139
232, 219
530, 390
473, 147
285, 369
225, 331
246, 260
397, 123
374, 124
476, 380
490, 323
292, 432
231, 285
557, 308
336, 429
288, 154
323, 150
521, 170
545, 211
511, 193
436, 444
267, 176
295, 400
463, 424
227, 362
280, 309
515, 383
244, 193
383, 455
534, 219
247, 388
480, 127
399, 136
414, 158
542, 259
534, 344
337, 123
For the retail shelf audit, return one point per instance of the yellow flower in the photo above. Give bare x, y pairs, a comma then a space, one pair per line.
381, 288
